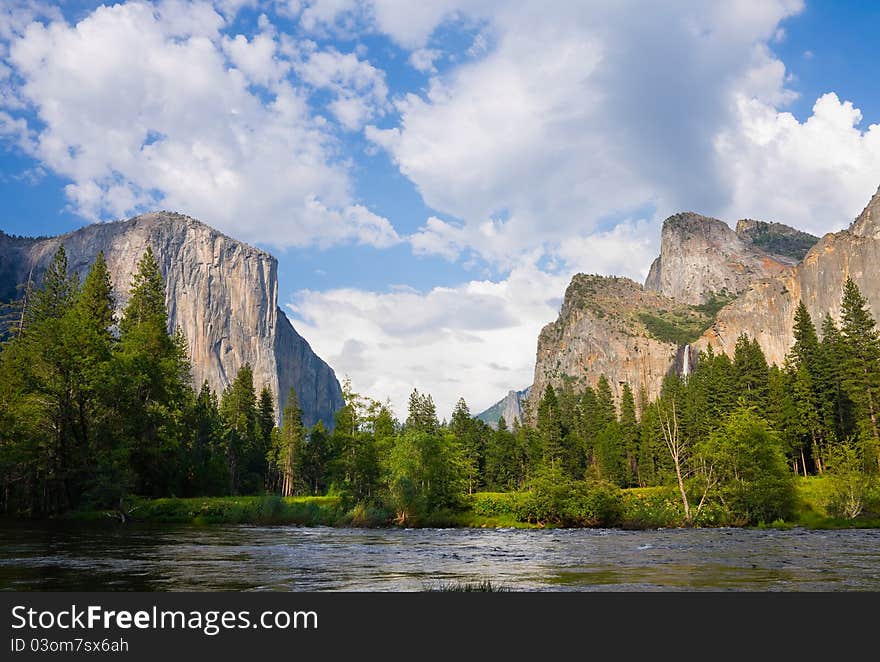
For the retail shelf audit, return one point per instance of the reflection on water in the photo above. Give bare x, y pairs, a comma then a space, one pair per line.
288, 558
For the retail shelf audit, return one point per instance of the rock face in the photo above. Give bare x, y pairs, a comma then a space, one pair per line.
614, 327
510, 407
636, 336
766, 310
701, 256
221, 292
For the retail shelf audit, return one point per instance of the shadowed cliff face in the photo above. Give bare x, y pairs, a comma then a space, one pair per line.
766, 310
221, 292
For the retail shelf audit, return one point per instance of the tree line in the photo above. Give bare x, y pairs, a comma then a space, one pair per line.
93, 409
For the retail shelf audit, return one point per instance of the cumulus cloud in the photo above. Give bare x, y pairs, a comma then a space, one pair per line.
474, 340
149, 106
816, 174
358, 87
582, 114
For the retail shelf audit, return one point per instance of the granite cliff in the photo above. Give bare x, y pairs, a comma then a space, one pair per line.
765, 310
702, 256
709, 284
221, 292
615, 327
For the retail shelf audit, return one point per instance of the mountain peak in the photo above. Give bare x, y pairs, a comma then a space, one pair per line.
868, 222
702, 257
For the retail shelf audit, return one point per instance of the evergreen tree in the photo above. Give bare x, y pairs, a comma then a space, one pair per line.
751, 371
292, 452
629, 434
266, 426
837, 406
549, 427
422, 413
467, 432
503, 464
238, 408
151, 380
805, 350
861, 379
317, 454
209, 471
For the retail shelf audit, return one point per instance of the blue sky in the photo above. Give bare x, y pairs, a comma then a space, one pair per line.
431, 174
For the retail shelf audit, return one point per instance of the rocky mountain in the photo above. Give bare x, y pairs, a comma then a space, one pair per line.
702, 257
766, 310
614, 327
221, 292
709, 284
510, 407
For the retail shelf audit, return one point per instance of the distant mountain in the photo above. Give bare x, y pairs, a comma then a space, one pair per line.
221, 292
510, 407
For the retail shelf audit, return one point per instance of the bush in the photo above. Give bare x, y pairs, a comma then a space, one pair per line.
496, 504
755, 484
653, 507
851, 485
554, 499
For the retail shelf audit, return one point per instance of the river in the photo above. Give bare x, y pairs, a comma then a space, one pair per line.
289, 558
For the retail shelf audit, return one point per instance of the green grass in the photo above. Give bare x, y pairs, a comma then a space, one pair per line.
685, 325
643, 508
309, 511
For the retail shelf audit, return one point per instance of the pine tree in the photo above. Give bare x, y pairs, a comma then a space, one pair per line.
805, 349
238, 407
38, 382
861, 345
837, 407
422, 413
54, 298
629, 434
466, 430
90, 342
751, 372
266, 425
209, 471
151, 379
146, 303
292, 451
549, 427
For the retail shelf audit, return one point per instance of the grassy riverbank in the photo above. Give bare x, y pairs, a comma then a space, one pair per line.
642, 508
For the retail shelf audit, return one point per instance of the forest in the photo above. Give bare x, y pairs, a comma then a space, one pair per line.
94, 409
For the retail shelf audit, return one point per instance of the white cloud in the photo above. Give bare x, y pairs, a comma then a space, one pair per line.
141, 109
476, 340
423, 59
256, 58
359, 88
578, 116
816, 174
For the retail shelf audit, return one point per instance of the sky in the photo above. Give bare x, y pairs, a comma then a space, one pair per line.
431, 174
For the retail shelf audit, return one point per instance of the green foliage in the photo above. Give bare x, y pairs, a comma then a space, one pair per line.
554, 499
789, 244
851, 481
652, 507
424, 472
748, 458
685, 325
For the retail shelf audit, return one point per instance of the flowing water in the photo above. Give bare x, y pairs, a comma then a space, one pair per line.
289, 558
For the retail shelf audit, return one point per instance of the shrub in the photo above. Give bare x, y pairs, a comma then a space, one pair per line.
851, 485
554, 499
